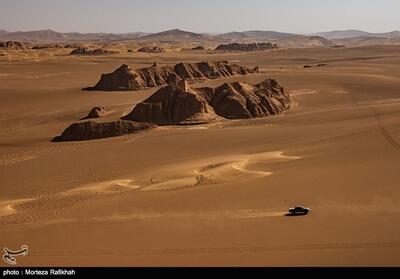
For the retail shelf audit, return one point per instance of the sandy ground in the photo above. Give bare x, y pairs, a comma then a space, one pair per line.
210, 195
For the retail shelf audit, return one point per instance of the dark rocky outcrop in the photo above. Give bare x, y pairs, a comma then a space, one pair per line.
87, 51
199, 48
74, 46
239, 100
96, 112
246, 47
176, 104
151, 49
181, 105
127, 79
311, 66
12, 45
92, 130
47, 46
173, 78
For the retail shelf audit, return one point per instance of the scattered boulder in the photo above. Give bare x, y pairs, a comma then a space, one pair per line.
246, 47
127, 79
307, 66
130, 50
87, 51
180, 104
12, 45
96, 112
92, 130
151, 49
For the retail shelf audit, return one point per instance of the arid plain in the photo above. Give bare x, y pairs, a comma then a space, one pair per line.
136, 200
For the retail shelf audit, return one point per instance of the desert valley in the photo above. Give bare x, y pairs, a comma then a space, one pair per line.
187, 149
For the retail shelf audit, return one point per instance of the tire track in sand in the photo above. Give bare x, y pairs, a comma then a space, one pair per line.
382, 129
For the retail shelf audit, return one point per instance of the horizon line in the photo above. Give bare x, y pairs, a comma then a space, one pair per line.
205, 32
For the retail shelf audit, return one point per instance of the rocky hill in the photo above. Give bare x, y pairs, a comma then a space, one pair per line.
151, 49
304, 42
12, 45
87, 51
179, 104
240, 100
174, 35
93, 130
246, 47
127, 79
174, 105
96, 112
199, 48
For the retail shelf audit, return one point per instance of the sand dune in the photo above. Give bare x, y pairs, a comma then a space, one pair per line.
106, 187
190, 174
9, 207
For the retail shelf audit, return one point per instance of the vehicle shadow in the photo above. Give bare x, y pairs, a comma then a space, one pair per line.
295, 215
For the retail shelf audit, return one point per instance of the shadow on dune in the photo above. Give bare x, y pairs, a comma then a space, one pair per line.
295, 215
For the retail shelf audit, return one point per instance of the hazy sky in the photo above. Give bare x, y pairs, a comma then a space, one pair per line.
118, 16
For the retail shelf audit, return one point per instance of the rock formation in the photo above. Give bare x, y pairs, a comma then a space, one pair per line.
96, 112
47, 46
173, 78
181, 105
311, 66
300, 41
125, 78
239, 100
151, 49
87, 51
74, 45
246, 47
92, 130
199, 48
173, 105
12, 45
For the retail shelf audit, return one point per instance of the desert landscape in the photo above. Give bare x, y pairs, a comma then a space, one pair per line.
184, 149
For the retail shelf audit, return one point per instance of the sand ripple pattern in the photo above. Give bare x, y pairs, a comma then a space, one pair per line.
200, 173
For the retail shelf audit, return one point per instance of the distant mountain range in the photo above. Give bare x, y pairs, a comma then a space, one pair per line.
346, 34
366, 41
50, 36
267, 34
346, 37
253, 35
169, 35
175, 35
